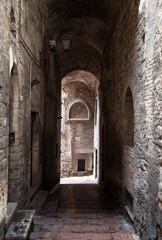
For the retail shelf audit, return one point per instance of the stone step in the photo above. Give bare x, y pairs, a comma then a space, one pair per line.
11, 212
86, 228
85, 225
81, 236
20, 226
84, 215
39, 201
76, 221
82, 211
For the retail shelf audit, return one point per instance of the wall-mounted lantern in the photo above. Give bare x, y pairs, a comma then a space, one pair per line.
66, 44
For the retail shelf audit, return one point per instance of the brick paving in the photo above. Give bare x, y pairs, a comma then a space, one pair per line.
81, 211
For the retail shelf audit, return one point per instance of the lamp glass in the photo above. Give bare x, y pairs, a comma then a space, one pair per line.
66, 43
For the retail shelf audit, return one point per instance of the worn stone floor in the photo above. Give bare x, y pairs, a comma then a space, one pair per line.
79, 180
81, 211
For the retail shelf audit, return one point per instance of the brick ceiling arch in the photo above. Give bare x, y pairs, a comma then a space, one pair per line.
87, 29
64, 10
88, 24
80, 57
81, 76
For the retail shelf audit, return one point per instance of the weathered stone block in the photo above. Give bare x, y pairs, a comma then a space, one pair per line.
20, 227
4, 142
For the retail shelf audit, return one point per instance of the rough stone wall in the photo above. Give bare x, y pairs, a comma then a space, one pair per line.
4, 152
20, 51
132, 59
77, 135
28, 44
129, 170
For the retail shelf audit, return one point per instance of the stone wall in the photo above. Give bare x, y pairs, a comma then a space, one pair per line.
27, 55
21, 41
132, 59
77, 128
4, 75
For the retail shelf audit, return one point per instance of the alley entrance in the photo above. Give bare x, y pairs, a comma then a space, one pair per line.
79, 125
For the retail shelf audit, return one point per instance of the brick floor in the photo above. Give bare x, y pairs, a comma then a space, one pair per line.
81, 211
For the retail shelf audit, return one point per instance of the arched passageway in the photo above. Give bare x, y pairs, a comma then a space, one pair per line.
86, 71
80, 125
103, 41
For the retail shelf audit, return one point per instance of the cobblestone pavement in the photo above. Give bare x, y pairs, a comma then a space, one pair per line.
81, 211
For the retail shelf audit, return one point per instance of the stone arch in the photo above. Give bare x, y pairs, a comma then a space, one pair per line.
128, 123
85, 77
14, 140
78, 110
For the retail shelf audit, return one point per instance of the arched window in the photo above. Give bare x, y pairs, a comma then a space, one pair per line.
128, 119
78, 110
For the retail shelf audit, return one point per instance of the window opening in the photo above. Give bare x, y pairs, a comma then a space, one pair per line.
81, 165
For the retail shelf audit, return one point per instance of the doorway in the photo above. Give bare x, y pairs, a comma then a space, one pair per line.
35, 164
81, 165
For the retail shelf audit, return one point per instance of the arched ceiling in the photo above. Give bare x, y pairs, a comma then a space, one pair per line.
82, 29
83, 57
88, 24
64, 10
81, 76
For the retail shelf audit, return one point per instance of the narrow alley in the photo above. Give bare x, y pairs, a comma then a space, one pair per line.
80, 98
